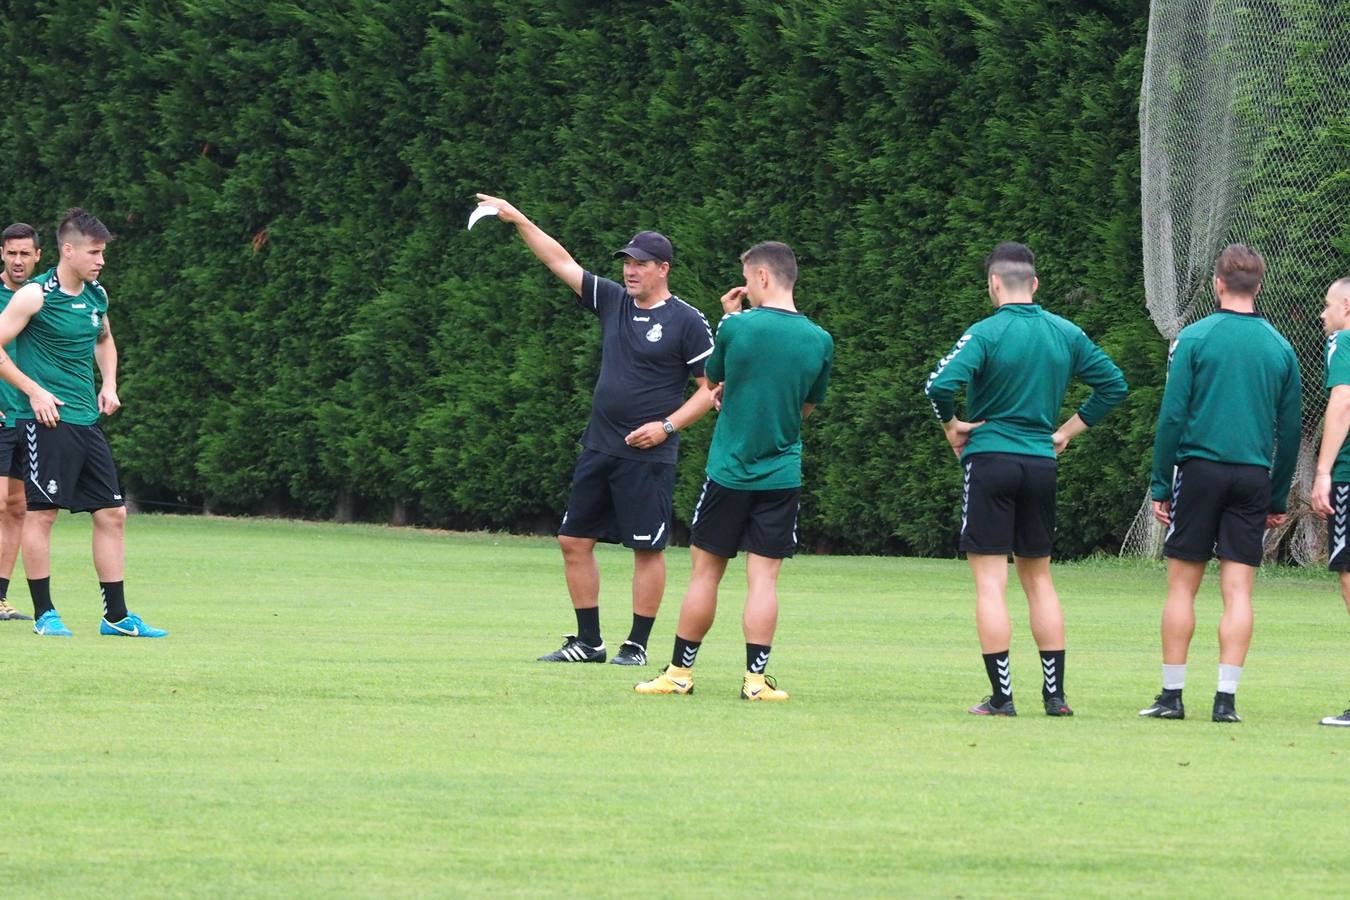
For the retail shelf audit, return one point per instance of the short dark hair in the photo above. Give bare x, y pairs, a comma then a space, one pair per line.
775, 256
1013, 263
77, 221
1241, 269
19, 231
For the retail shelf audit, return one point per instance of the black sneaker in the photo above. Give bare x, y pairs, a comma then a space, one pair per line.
987, 708
576, 650
1343, 720
631, 653
1055, 706
1166, 705
1225, 708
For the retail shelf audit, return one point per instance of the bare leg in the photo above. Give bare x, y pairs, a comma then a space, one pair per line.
649, 581
109, 543
1178, 618
11, 526
580, 569
761, 600
700, 600
991, 605
1047, 616
1235, 627
37, 543
1345, 589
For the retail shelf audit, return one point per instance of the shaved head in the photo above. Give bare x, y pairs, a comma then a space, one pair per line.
1340, 287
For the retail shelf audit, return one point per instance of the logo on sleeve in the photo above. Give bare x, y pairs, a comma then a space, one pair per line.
654, 333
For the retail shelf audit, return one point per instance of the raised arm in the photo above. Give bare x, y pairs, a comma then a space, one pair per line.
22, 307
549, 252
105, 355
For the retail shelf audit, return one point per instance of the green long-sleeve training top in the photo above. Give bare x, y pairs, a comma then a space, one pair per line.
1017, 364
1234, 395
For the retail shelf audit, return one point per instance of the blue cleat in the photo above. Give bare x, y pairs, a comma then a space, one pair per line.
131, 626
49, 624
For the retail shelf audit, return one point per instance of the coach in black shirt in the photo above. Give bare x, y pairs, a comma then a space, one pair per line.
652, 342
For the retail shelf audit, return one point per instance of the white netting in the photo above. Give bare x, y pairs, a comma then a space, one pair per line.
1244, 123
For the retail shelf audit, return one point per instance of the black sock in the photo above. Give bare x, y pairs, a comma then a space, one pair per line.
641, 631
114, 600
4, 588
1000, 677
588, 625
41, 591
1052, 667
756, 658
685, 652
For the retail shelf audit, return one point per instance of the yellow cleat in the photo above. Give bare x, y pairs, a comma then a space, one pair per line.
672, 680
761, 687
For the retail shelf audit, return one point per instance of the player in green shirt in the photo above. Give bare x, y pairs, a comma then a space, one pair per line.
61, 323
1017, 364
773, 365
1331, 484
21, 253
1223, 459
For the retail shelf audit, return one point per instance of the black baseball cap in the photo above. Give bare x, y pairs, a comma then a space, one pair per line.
648, 245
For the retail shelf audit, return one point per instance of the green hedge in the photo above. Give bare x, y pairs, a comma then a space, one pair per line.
307, 328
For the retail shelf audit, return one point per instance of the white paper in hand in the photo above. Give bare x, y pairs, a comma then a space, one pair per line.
484, 209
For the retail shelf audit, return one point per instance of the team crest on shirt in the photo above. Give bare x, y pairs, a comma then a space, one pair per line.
93, 317
654, 333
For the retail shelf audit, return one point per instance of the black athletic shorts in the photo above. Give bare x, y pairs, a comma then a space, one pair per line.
620, 501
1008, 504
760, 522
1218, 509
1337, 536
69, 466
11, 460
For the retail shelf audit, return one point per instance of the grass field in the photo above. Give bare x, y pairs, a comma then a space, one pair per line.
355, 711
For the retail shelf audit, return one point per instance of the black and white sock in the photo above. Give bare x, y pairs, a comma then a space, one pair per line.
1000, 677
1052, 667
756, 658
685, 653
114, 600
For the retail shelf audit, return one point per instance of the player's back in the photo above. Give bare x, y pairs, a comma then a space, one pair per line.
1239, 368
1029, 357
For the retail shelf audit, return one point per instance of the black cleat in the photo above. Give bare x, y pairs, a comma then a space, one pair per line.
576, 650
1055, 706
1341, 721
631, 653
1166, 705
10, 614
1225, 708
987, 708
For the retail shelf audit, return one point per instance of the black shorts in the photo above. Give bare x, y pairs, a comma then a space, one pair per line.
1218, 509
620, 501
760, 522
1337, 535
11, 460
68, 467
1008, 504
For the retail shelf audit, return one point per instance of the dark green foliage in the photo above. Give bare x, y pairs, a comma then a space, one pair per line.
306, 326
